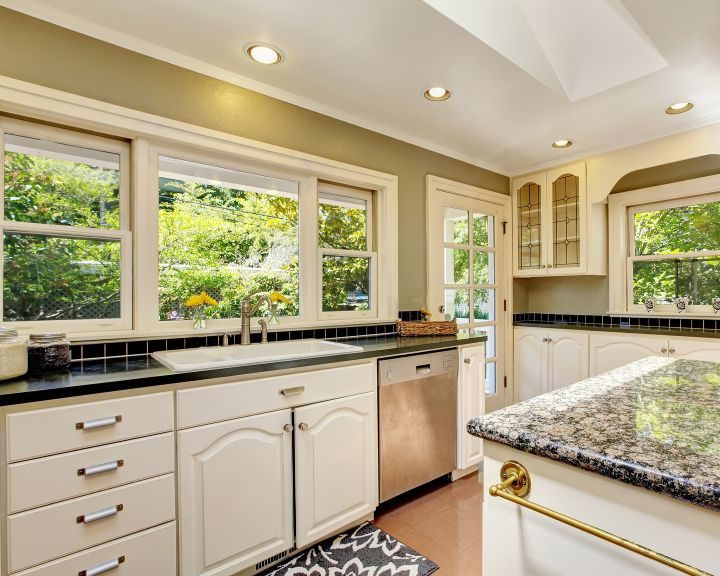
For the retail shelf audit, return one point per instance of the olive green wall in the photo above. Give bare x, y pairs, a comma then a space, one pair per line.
36, 51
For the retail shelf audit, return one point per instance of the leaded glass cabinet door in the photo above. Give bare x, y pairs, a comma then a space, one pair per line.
566, 221
530, 233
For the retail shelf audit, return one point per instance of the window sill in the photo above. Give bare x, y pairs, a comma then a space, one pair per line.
129, 335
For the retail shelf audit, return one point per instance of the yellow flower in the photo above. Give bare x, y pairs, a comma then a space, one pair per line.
200, 299
276, 297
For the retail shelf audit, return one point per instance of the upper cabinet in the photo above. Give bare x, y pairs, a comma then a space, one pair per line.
556, 231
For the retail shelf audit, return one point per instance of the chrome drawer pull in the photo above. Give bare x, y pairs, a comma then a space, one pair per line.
99, 515
98, 423
292, 391
100, 468
102, 568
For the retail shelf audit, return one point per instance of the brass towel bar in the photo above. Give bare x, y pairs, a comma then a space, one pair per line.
515, 486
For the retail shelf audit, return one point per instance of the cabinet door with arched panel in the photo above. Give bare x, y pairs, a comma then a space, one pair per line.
530, 225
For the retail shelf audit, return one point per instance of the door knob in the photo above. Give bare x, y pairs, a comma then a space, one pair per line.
304, 427
672, 350
467, 361
288, 428
441, 308
663, 350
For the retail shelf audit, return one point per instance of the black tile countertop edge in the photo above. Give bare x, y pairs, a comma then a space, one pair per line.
624, 329
97, 376
653, 424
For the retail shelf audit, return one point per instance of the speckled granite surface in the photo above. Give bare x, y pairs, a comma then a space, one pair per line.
654, 423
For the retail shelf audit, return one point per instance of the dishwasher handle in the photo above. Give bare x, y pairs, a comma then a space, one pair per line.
423, 369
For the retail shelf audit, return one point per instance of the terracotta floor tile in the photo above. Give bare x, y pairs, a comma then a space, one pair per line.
442, 521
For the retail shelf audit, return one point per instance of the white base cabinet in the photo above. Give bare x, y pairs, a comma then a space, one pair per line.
471, 403
240, 480
235, 488
335, 465
611, 350
547, 360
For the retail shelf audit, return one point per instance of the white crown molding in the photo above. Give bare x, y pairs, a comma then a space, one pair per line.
64, 20
644, 138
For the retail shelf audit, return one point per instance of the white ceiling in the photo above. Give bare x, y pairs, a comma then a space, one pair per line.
523, 73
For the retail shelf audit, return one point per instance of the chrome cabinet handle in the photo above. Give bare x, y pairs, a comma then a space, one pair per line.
663, 350
98, 423
304, 427
292, 391
467, 361
102, 568
99, 515
100, 468
288, 427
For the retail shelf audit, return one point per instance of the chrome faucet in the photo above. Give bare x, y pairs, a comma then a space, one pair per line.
246, 313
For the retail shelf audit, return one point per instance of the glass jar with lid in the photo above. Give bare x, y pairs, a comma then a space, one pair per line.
48, 352
13, 354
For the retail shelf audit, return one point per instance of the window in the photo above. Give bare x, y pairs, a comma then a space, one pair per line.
66, 240
231, 234
86, 249
675, 252
345, 237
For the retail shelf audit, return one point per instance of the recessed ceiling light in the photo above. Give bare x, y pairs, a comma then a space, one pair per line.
679, 107
264, 54
437, 93
562, 143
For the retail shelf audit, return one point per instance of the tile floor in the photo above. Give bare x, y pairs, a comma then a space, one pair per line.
442, 521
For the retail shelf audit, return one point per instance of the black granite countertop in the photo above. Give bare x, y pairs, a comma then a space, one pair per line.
96, 376
654, 423
659, 331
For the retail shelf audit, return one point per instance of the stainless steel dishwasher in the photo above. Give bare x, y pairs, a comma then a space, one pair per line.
418, 420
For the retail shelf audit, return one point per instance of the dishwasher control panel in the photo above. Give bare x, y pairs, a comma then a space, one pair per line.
417, 366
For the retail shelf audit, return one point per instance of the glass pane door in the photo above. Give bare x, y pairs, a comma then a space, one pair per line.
566, 221
529, 222
470, 285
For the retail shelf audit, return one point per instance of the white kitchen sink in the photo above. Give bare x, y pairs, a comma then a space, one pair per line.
227, 356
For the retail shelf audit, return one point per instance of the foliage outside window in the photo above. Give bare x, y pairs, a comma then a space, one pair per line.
676, 252
345, 239
63, 234
228, 233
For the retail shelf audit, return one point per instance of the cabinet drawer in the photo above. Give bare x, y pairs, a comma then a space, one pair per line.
198, 406
151, 553
91, 470
53, 531
53, 430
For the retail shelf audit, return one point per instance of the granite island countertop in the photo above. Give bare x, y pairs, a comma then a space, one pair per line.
654, 423
97, 376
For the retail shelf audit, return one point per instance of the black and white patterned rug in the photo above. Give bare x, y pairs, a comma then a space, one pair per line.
363, 551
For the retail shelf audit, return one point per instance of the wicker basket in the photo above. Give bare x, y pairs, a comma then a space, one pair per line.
445, 328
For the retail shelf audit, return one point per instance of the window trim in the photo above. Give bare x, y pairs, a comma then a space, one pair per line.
621, 208
123, 234
53, 106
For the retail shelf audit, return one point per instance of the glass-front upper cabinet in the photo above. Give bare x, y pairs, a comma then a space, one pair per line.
552, 219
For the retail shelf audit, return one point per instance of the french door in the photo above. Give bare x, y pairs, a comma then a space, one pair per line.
467, 272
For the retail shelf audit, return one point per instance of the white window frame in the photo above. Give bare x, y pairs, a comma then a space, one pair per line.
147, 130
369, 253
622, 208
148, 204
123, 235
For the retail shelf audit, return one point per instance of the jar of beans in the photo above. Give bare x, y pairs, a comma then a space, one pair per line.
48, 352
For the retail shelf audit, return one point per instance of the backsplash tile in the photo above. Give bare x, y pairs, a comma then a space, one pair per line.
645, 322
135, 348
